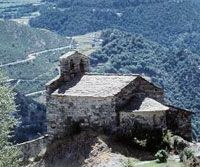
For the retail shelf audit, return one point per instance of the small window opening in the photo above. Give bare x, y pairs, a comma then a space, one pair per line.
82, 68
72, 65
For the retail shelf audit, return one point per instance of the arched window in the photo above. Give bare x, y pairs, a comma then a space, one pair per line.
82, 67
72, 65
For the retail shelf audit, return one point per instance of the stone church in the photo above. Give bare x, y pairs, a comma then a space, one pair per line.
108, 101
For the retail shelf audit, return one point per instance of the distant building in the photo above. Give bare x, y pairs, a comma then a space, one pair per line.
108, 101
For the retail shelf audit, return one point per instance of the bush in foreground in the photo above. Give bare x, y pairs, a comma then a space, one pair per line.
186, 154
162, 156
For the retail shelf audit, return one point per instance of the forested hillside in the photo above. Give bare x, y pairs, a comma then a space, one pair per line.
177, 71
159, 20
9, 154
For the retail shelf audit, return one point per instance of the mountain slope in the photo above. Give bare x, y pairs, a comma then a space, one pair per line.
23, 52
159, 20
17, 41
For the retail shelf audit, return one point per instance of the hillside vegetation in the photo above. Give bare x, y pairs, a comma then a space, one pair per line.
177, 71
10, 155
159, 20
23, 52
32, 119
17, 41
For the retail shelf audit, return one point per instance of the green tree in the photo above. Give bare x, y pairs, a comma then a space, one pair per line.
9, 154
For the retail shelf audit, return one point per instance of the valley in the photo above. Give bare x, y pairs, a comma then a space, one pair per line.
22, 59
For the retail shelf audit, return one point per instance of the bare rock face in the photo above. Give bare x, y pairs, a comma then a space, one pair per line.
86, 149
101, 156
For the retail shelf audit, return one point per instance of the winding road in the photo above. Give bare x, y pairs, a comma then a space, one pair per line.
33, 56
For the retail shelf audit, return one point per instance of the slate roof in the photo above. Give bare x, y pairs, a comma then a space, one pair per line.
95, 85
145, 104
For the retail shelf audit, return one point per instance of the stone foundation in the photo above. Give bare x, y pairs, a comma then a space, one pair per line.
144, 119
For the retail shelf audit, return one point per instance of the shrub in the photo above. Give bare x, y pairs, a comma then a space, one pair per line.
128, 163
180, 144
168, 139
186, 154
192, 162
162, 156
9, 154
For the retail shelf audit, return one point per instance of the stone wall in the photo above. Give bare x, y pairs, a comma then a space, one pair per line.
93, 112
140, 88
143, 119
179, 122
143, 127
123, 97
147, 89
33, 148
52, 85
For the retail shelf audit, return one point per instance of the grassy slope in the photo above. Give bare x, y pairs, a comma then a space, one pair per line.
130, 162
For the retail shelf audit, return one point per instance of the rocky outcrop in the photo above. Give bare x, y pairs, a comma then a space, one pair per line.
85, 149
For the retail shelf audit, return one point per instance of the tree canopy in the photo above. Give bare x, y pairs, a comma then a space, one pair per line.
9, 154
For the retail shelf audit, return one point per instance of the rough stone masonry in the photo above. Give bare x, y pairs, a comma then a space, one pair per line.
77, 98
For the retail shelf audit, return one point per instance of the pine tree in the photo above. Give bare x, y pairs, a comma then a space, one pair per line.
9, 154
